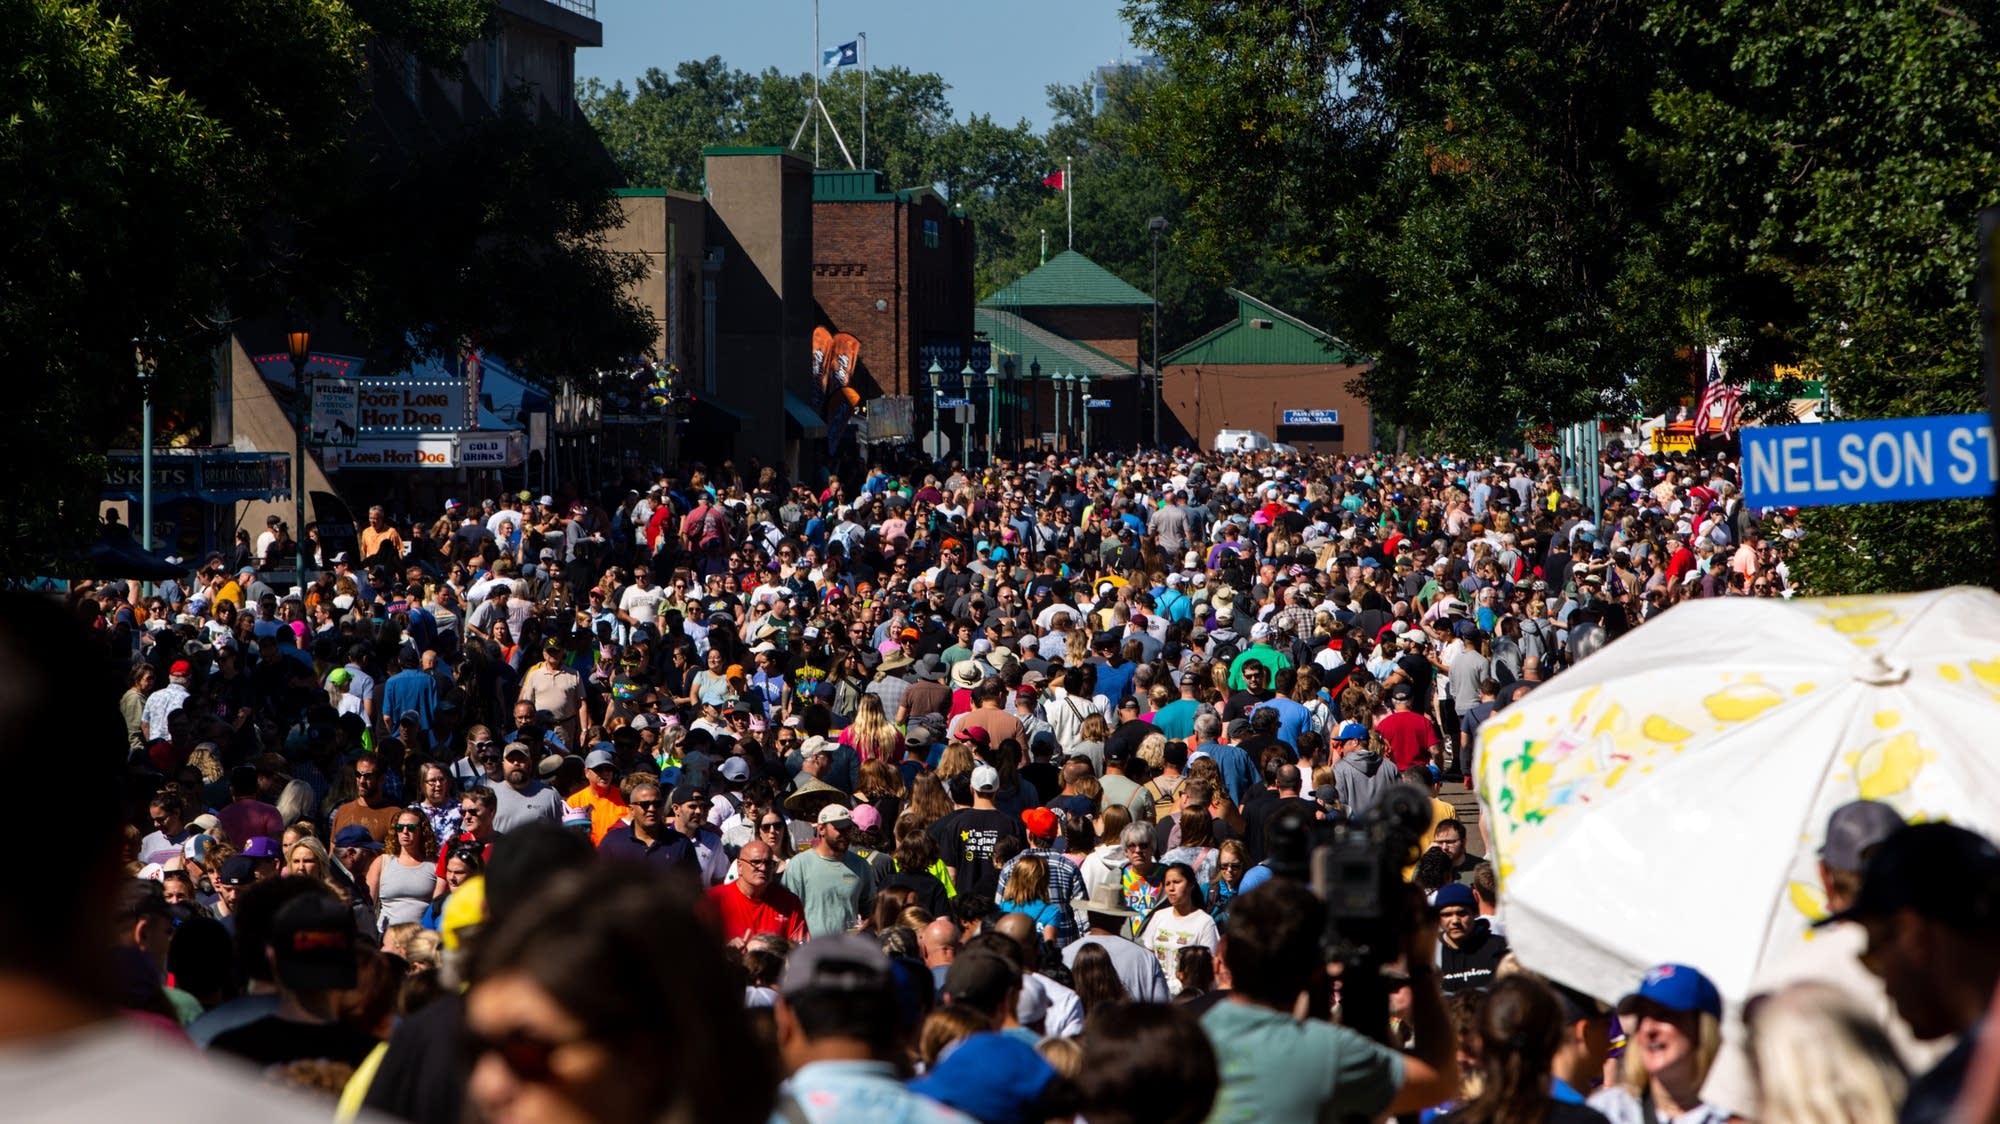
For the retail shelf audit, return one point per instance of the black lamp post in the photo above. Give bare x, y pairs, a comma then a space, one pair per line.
1034, 405
144, 366
298, 341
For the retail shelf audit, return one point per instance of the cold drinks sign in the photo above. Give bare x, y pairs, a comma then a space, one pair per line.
1938, 458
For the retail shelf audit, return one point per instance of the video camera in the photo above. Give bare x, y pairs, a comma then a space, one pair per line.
1355, 866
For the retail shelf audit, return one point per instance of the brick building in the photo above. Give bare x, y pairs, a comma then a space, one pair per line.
1068, 317
893, 269
1247, 373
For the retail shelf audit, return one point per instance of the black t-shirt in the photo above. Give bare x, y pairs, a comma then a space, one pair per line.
275, 1041
1242, 702
965, 840
1126, 739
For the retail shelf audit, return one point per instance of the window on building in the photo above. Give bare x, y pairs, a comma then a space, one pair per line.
930, 234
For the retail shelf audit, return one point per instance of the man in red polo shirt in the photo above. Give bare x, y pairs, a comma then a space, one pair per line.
1408, 734
755, 903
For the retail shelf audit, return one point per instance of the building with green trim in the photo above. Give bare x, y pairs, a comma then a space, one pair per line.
1253, 371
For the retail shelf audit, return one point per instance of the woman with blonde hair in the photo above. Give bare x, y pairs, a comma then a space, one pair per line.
871, 733
1820, 1059
882, 786
1027, 891
1090, 739
955, 760
1673, 1030
307, 858
405, 882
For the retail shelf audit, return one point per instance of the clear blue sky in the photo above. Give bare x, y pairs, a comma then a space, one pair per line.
998, 57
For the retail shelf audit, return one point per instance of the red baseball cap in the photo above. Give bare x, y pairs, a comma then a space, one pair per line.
1040, 822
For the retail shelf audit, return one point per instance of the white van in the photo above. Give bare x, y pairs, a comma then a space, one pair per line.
1241, 441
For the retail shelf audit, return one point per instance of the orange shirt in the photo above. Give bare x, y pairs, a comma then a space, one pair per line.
606, 811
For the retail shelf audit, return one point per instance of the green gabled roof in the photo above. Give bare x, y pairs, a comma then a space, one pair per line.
1288, 340
1069, 280
1030, 342
863, 185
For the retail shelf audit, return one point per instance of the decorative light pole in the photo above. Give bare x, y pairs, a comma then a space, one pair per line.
1083, 395
1061, 382
992, 411
298, 340
1034, 405
1157, 226
145, 366
965, 377
937, 406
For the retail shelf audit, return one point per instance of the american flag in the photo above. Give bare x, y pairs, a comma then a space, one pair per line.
1716, 414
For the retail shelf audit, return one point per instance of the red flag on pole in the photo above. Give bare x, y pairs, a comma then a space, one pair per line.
1053, 179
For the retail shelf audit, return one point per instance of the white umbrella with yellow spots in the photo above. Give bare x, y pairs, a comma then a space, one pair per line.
1663, 801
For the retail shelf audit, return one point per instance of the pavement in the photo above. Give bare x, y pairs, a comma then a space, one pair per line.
1462, 798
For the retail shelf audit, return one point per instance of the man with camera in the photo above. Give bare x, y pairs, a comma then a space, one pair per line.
1278, 1066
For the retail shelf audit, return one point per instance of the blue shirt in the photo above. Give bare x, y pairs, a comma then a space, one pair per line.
1239, 773
1561, 1091
859, 1093
1292, 718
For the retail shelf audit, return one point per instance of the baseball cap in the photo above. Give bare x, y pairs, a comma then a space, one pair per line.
1039, 822
517, 749
1260, 631
354, 835
989, 1076
238, 870
1855, 829
1938, 871
261, 847
981, 979
1351, 731
684, 793
1402, 691
843, 962
312, 944
1455, 893
866, 817
834, 813
735, 770
1675, 987
599, 758
985, 778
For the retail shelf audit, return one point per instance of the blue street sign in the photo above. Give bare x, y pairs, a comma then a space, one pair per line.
1309, 417
1098, 403
1869, 462
953, 403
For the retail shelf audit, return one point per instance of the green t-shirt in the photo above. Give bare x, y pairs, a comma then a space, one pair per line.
835, 891
1275, 1067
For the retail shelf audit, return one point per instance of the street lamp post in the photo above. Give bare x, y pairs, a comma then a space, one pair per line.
1083, 396
1157, 226
937, 407
992, 411
145, 366
298, 340
1061, 382
965, 377
1034, 404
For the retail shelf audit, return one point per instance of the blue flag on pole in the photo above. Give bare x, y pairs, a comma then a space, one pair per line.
847, 54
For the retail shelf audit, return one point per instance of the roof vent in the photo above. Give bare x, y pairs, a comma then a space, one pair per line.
1260, 322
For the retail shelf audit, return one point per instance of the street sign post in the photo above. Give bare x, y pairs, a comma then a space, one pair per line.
1883, 461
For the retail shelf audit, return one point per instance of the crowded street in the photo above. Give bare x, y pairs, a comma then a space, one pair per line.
959, 794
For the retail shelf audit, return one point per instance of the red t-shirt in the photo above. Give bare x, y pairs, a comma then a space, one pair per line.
780, 912
1409, 734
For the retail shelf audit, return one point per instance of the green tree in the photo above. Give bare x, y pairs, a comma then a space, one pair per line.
172, 169
1461, 168
1829, 162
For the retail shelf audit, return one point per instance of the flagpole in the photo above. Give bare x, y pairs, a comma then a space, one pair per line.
1069, 196
864, 99
818, 62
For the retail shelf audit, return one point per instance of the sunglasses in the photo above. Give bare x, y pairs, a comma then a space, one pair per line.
471, 810
409, 827
773, 826
526, 1055
649, 805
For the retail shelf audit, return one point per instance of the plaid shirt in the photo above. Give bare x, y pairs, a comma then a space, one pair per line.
1294, 619
890, 690
1065, 887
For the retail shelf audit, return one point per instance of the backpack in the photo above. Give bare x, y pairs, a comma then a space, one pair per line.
1163, 802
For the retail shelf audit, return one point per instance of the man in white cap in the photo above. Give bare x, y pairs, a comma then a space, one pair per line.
836, 886
965, 839
602, 797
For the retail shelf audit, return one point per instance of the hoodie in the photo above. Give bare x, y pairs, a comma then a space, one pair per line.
1360, 778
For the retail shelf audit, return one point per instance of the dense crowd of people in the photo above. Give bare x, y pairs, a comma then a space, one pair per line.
930, 795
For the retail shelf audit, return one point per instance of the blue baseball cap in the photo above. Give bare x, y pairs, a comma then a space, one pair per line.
1352, 731
1675, 987
992, 1077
